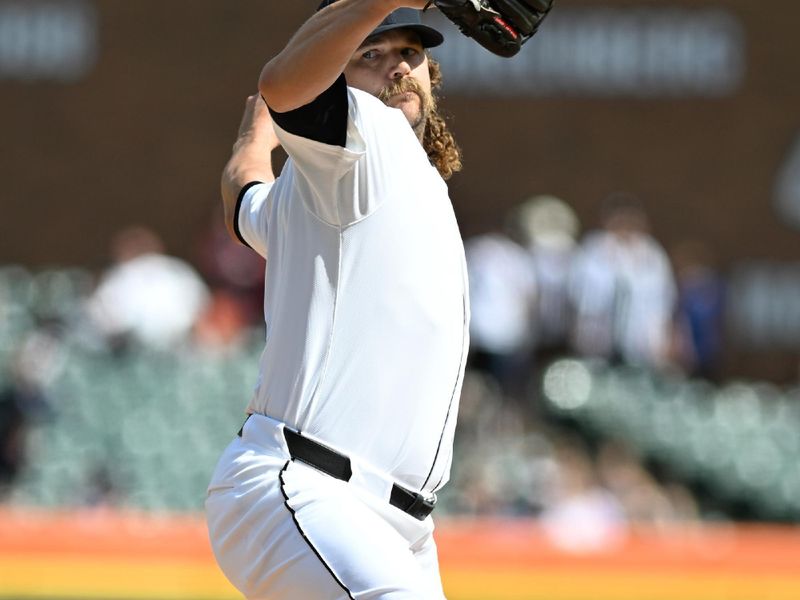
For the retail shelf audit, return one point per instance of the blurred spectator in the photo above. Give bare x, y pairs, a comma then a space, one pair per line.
623, 290
701, 292
505, 464
100, 490
232, 268
582, 516
550, 228
644, 500
146, 296
23, 401
12, 436
224, 323
502, 289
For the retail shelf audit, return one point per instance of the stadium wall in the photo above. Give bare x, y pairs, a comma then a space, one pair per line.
116, 113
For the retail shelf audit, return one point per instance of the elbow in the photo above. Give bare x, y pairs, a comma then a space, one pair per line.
265, 82
280, 92
270, 89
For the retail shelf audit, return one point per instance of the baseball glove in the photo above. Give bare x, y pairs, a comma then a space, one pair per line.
500, 26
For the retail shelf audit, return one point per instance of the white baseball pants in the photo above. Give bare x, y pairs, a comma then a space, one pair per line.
282, 530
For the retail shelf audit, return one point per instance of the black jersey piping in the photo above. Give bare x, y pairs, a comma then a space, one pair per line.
453, 395
239, 200
305, 537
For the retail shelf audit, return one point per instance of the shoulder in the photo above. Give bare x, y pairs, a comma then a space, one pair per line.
365, 108
364, 100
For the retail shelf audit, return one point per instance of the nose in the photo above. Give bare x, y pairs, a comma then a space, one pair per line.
400, 69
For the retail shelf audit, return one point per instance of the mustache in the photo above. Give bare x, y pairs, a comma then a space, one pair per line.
403, 86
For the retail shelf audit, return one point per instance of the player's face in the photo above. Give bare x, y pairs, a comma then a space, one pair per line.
393, 66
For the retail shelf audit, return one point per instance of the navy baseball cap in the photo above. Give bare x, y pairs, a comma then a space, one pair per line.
404, 18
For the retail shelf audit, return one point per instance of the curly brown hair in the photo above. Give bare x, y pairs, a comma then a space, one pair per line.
437, 140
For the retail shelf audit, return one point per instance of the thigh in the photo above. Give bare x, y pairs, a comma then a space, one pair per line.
254, 535
426, 555
283, 531
364, 553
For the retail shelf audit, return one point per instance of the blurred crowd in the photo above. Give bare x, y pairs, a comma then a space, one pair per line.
540, 288
586, 492
144, 299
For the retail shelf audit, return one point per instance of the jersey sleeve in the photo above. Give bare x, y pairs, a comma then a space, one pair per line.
324, 119
325, 173
251, 219
342, 185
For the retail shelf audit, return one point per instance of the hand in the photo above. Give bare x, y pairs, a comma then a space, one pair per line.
256, 125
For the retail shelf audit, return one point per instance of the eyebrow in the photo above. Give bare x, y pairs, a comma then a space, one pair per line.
411, 39
373, 39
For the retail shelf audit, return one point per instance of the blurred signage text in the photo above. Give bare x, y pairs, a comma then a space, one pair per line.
765, 306
634, 52
47, 41
787, 193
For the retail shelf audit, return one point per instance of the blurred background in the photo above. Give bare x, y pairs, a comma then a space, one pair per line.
630, 204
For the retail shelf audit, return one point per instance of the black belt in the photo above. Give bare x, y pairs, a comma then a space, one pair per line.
337, 465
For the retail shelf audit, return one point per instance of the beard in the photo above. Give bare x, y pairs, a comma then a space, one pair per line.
427, 105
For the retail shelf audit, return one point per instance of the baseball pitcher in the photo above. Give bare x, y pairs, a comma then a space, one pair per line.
328, 489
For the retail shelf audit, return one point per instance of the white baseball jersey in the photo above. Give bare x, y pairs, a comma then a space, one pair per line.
366, 302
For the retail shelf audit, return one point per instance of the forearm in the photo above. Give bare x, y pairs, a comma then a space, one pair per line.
319, 51
250, 161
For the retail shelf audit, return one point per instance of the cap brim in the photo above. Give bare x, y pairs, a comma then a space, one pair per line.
429, 37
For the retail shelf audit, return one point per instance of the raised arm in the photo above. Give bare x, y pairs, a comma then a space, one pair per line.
251, 159
319, 51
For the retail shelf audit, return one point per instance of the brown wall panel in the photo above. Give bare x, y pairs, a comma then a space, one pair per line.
142, 136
